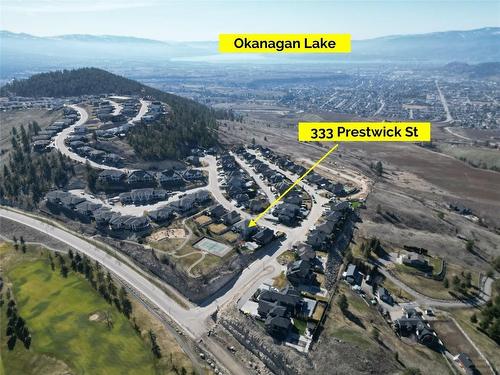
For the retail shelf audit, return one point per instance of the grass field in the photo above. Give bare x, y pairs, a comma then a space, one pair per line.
430, 287
64, 339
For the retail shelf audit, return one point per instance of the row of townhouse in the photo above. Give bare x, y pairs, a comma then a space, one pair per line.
292, 208
239, 186
313, 178
169, 179
42, 140
333, 220
77, 207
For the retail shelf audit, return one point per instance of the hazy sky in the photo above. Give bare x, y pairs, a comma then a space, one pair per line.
204, 20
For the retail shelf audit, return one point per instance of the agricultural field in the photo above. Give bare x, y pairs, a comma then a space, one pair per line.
478, 157
73, 328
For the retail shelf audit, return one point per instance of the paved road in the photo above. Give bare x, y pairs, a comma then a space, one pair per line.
449, 118
60, 144
117, 107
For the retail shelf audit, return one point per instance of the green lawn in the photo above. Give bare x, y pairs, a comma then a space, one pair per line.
57, 311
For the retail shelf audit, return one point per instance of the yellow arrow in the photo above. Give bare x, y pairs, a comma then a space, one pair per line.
253, 222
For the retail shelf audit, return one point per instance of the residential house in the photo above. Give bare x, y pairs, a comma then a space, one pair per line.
86, 209
130, 223
413, 260
231, 218
412, 323
193, 175
316, 239
162, 215
352, 275
299, 272
305, 252
202, 197
326, 227
216, 212
466, 364
257, 205
170, 179
143, 196
287, 213
194, 160
384, 295
263, 236
244, 230
41, 145
112, 177
140, 178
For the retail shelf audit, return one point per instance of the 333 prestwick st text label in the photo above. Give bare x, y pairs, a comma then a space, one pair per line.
365, 131
285, 43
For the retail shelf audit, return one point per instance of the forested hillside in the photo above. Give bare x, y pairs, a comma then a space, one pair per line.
27, 176
188, 125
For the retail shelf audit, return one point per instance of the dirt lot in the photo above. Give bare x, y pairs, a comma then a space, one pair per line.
217, 228
168, 233
455, 342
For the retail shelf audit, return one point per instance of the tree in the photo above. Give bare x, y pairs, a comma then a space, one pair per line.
125, 302
27, 342
468, 280
469, 245
496, 263
51, 261
446, 283
379, 169
367, 251
342, 303
455, 281
64, 270
154, 346
11, 342
473, 318
91, 176
375, 334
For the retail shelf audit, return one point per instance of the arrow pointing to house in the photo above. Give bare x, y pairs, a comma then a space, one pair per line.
253, 222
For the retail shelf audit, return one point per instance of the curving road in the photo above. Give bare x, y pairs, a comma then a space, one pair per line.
59, 142
428, 301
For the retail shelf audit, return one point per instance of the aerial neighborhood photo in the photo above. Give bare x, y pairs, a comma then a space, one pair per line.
249, 187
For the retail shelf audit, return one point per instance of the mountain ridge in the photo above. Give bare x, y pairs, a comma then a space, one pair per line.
24, 54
